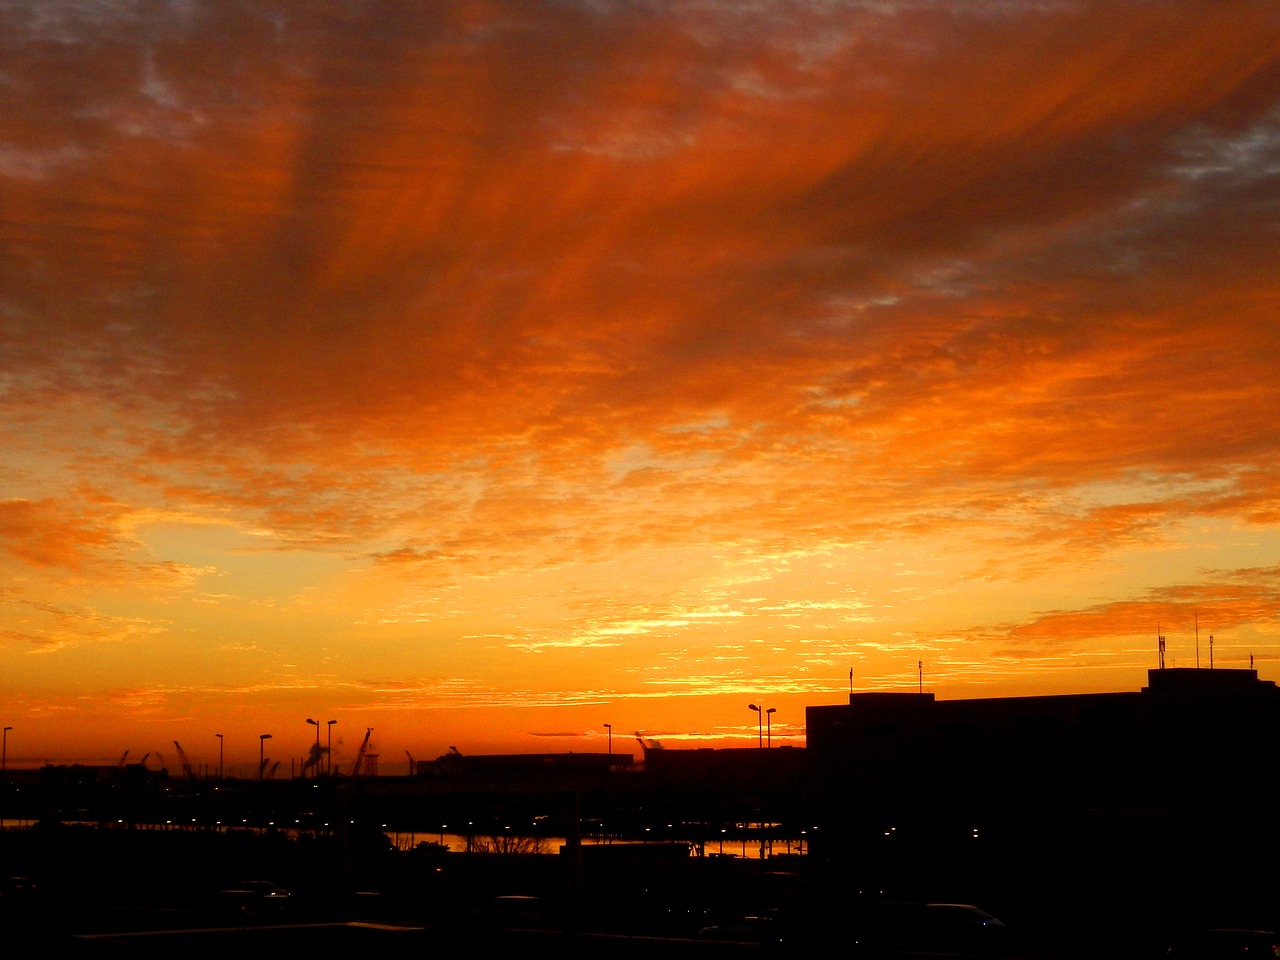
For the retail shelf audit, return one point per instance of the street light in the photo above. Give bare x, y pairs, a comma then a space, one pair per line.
328, 760
609, 727
262, 739
219, 736
316, 724
768, 724
759, 724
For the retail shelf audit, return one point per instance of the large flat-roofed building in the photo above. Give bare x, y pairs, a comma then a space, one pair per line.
1171, 780
1190, 736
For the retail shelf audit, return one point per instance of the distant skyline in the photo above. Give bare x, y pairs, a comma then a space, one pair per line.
487, 373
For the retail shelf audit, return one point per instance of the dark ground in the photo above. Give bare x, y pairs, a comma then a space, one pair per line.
92, 889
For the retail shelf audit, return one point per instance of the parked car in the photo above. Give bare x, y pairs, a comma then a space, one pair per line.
256, 897
963, 926
1223, 943
18, 888
959, 917
510, 912
754, 928
940, 926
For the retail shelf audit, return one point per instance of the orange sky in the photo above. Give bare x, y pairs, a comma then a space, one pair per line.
484, 373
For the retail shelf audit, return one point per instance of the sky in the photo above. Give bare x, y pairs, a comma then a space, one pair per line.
533, 376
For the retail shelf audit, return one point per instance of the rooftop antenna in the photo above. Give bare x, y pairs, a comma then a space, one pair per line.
1211, 651
851, 680
1197, 641
1160, 644
920, 675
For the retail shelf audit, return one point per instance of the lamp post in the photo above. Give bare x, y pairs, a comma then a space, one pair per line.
316, 724
768, 725
219, 736
759, 724
609, 727
328, 760
262, 762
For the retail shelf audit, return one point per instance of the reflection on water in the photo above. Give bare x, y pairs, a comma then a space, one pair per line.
460, 843
736, 846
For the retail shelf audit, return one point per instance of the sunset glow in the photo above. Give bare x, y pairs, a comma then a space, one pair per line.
488, 372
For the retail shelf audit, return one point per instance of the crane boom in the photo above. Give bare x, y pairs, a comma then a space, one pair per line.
186, 767
364, 745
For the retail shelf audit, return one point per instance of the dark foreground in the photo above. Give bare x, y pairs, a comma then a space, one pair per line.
102, 890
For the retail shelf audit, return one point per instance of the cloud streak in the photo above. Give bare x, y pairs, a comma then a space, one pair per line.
539, 345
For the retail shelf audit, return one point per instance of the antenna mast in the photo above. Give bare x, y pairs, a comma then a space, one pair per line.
1160, 644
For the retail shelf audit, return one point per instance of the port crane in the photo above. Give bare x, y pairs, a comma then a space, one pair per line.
364, 746
186, 767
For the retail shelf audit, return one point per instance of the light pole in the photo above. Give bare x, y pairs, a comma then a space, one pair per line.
262, 762
768, 725
316, 724
219, 736
609, 727
328, 760
759, 724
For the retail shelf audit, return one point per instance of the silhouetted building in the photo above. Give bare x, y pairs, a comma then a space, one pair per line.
1177, 773
738, 771
566, 769
720, 789
1188, 737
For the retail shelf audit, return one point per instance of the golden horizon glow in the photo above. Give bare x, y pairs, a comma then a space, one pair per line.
487, 373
